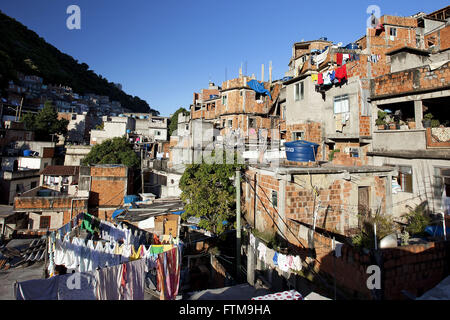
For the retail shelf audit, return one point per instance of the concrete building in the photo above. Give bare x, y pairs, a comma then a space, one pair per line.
328, 197
419, 151
47, 209
21, 173
75, 154
77, 131
112, 127
61, 178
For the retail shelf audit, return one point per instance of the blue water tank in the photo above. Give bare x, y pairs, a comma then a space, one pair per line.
130, 199
26, 153
351, 46
141, 117
128, 131
301, 151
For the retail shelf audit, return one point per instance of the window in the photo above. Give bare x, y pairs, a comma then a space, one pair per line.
224, 100
19, 187
284, 113
393, 32
44, 222
33, 185
404, 180
298, 135
230, 123
274, 199
341, 104
299, 91
240, 93
158, 133
252, 123
74, 116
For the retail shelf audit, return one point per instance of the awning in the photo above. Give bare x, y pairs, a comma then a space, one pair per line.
117, 213
178, 212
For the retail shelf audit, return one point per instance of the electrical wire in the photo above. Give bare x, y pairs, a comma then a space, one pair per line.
311, 268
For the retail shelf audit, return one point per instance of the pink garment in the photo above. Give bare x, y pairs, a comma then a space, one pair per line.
169, 274
122, 282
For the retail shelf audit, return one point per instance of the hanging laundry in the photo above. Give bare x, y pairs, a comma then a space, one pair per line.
283, 262
314, 77
39, 289
275, 258
332, 75
321, 57
252, 240
320, 79
98, 256
75, 252
108, 283
69, 255
297, 264
135, 254
326, 78
79, 286
262, 252
339, 57
168, 263
126, 253
341, 73
90, 223
269, 257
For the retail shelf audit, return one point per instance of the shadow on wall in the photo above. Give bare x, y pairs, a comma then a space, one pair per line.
415, 268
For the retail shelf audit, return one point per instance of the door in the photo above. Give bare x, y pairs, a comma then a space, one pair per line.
363, 203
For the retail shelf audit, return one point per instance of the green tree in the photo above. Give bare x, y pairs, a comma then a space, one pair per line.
173, 122
208, 191
45, 123
113, 151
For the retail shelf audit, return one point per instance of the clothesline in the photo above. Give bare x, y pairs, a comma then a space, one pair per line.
274, 258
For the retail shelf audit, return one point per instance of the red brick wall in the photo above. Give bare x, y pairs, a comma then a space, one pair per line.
415, 268
440, 38
410, 81
62, 204
108, 188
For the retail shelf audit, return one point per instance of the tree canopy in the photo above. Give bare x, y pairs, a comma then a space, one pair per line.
113, 151
208, 191
173, 122
45, 123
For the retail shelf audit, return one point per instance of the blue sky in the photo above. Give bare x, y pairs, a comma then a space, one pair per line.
163, 51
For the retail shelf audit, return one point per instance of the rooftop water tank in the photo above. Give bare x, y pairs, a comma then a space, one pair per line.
141, 117
26, 153
301, 151
351, 46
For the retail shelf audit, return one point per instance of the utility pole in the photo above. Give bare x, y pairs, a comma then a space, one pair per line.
238, 224
20, 108
142, 168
